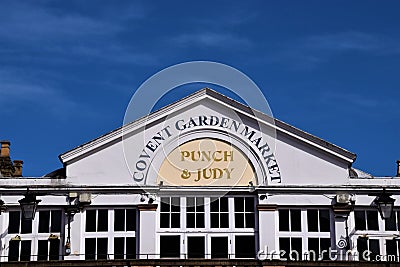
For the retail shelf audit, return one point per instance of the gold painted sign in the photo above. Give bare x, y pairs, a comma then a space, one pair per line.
206, 162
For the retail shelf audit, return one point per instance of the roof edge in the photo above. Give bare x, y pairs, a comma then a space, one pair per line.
227, 100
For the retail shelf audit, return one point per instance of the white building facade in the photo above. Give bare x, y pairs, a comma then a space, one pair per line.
205, 178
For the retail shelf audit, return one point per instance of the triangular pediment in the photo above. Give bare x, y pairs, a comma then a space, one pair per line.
277, 152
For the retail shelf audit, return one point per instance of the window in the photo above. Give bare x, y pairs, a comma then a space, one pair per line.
366, 220
49, 221
19, 250
96, 248
97, 220
48, 249
124, 248
170, 246
318, 248
364, 244
16, 221
392, 248
124, 220
245, 247
318, 220
292, 246
196, 247
170, 212
195, 212
392, 224
290, 220
244, 212
219, 247
219, 212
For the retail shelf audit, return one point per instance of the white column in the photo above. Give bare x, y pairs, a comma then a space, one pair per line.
340, 240
267, 229
77, 240
147, 231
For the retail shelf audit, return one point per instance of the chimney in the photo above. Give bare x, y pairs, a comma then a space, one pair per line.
5, 148
398, 168
18, 168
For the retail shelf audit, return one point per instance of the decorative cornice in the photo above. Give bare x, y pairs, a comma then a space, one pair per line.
147, 207
267, 207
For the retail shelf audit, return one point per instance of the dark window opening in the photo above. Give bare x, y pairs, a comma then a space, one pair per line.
170, 246
245, 247
196, 247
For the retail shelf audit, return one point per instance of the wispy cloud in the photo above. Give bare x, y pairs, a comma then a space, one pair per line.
211, 39
308, 52
35, 29
18, 92
345, 41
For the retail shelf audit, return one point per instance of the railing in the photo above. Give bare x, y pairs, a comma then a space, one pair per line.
188, 259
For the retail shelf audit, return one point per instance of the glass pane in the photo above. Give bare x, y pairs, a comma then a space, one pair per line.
13, 250
14, 221
296, 246
175, 220
224, 204
196, 247
54, 249
164, 220
214, 204
325, 245
324, 221
313, 249
283, 220
214, 220
295, 220
190, 220
130, 220
91, 221
102, 248
224, 223
131, 248
249, 204
219, 247
200, 204
119, 220
90, 248
312, 220
42, 250
372, 220
284, 244
239, 220
245, 247
165, 207
175, 204
26, 226
359, 217
119, 243
170, 246
25, 250
44, 221
398, 219
56, 221
190, 204
374, 248
361, 247
102, 220
200, 220
239, 204
250, 220
391, 250
390, 224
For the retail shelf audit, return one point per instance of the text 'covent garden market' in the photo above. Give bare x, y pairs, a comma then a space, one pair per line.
205, 178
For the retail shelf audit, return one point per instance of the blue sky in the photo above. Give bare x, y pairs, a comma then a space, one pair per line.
69, 68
